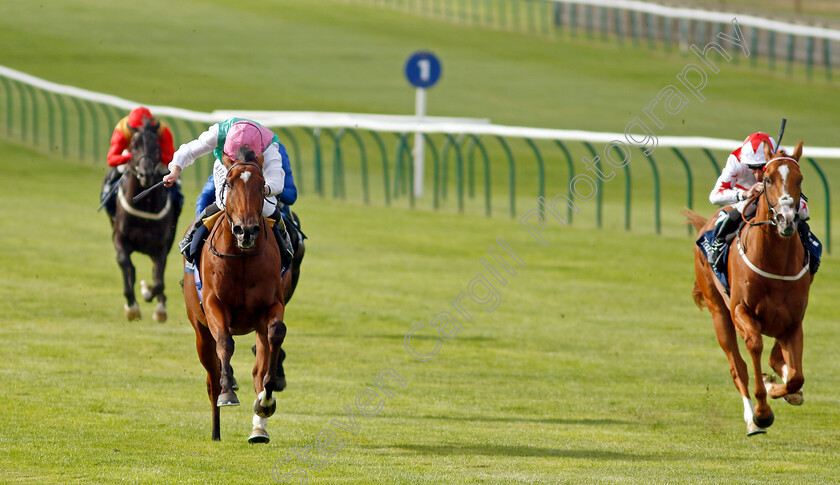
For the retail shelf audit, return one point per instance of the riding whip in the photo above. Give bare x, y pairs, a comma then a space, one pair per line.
781, 133
146, 192
111, 192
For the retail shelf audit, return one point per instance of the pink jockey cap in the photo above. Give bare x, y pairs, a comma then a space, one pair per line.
247, 133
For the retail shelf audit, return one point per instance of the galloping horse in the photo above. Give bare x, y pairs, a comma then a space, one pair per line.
768, 275
146, 226
242, 292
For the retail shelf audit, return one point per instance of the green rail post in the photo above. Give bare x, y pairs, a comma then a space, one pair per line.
651, 30
569, 164
471, 168
827, 58
714, 162
50, 119
683, 35
172, 123
545, 17
80, 111
627, 187
557, 8
532, 20
753, 46
363, 160
475, 15
827, 243
23, 110
604, 23
94, 118
319, 175
298, 162
36, 126
619, 25
436, 174
336, 165
475, 141
666, 33
690, 194
790, 47
459, 170
512, 176
634, 27
488, 13
599, 199
503, 17
573, 19
809, 49
656, 193
445, 166
65, 137
384, 154
771, 49
590, 21
402, 147
8, 89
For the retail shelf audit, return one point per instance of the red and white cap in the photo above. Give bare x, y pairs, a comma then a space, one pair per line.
751, 152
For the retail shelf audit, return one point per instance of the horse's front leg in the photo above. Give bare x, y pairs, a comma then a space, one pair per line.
263, 407
755, 345
156, 290
218, 321
275, 378
788, 359
132, 309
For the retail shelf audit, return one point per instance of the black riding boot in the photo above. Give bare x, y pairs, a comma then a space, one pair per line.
107, 184
208, 211
729, 225
282, 236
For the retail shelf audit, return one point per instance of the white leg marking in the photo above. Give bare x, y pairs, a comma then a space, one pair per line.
265, 402
259, 422
785, 372
145, 290
748, 410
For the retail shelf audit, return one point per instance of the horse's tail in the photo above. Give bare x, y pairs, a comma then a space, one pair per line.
694, 219
698, 296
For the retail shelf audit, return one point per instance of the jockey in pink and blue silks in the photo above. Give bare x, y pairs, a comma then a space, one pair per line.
742, 179
229, 138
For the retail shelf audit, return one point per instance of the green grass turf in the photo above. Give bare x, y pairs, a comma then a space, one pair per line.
595, 368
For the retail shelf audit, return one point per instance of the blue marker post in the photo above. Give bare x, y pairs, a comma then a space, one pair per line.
422, 70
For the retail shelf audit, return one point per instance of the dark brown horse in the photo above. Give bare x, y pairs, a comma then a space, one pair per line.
146, 226
242, 292
769, 281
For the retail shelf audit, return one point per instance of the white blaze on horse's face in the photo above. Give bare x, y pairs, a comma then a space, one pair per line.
785, 212
245, 176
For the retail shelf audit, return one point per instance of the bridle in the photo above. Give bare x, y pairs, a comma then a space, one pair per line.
230, 221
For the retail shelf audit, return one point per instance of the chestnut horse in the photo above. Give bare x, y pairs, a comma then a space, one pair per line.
146, 226
242, 292
769, 282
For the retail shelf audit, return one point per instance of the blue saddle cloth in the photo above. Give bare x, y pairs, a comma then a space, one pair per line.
705, 245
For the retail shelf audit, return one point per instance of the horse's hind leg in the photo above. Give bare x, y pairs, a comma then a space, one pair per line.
158, 270
132, 309
786, 358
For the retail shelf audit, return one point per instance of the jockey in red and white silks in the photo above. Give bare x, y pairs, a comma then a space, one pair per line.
738, 176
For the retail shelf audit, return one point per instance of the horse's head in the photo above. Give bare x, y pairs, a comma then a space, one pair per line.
783, 188
244, 196
145, 152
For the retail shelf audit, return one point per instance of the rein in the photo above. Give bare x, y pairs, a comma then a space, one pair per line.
227, 216
771, 209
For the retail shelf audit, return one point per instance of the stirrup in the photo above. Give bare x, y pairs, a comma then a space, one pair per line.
184, 244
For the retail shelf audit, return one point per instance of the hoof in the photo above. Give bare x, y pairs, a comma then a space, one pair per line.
235, 385
796, 398
227, 399
753, 430
264, 412
764, 422
132, 312
160, 313
145, 291
258, 435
